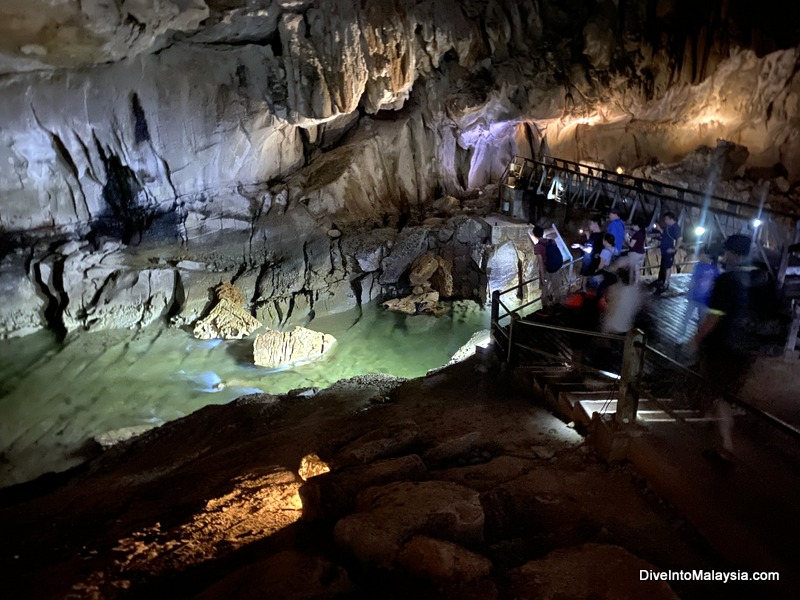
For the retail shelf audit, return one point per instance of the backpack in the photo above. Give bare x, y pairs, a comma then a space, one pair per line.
553, 259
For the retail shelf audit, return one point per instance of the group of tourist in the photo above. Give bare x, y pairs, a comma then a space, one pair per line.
612, 287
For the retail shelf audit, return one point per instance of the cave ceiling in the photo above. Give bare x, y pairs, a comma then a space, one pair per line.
125, 109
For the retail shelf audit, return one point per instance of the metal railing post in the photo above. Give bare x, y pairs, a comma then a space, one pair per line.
510, 353
495, 308
630, 376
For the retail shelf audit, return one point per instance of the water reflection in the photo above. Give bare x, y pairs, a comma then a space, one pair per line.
54, 396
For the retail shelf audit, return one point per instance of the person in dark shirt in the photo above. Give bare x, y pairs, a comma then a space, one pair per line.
670, 243
636, 242
721, 340
592, 248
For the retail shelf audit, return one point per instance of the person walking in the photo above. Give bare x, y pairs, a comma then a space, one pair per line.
670, 244
623, 303
703, 276
721, 342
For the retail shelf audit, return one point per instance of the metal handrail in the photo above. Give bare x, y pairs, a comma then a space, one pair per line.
586, 332
780, 423
638, 180
497, 328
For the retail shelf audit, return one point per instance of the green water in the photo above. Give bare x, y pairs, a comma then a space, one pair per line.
56, 396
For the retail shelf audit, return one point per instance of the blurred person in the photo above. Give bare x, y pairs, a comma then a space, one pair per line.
623, 303
721, 341
703, 276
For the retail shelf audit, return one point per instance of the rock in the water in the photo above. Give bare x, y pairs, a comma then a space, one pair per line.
423, 268
275, 349
228, 320
415, 304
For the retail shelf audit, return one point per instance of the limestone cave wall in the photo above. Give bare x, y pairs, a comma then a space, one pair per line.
248, 125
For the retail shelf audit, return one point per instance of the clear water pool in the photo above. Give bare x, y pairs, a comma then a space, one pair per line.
55, 396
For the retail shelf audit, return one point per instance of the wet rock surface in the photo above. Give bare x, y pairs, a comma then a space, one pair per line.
213, 505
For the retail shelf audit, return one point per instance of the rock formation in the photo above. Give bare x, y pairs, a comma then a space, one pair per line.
228, 320
277, 350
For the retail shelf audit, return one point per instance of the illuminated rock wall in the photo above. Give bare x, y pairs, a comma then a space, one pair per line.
236, 130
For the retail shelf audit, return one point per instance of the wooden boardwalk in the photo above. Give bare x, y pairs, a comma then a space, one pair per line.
745, 509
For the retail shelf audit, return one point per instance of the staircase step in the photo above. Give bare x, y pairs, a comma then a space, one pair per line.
568, 401
546, 370
648, 411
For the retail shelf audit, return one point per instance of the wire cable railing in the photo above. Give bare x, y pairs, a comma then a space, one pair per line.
511, 339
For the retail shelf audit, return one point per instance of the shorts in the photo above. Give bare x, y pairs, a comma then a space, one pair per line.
667, 260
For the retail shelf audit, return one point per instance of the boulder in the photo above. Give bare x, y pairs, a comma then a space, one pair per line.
392, 438
415, 304
392, 514
590, 571
289, 575
423, 268
447, 205
228, 320
311, 465
442, 561
442, 278
411, 242
333, 495
275, 349
452, 448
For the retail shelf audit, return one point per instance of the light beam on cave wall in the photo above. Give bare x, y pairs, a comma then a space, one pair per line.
494, 146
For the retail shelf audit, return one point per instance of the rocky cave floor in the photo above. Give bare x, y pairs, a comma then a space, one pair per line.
455, 485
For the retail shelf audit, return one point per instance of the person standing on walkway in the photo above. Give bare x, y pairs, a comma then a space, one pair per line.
604, 276
636, 253
670, 244
616, 227
546, 283
721, 340
703, 277
591, 252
